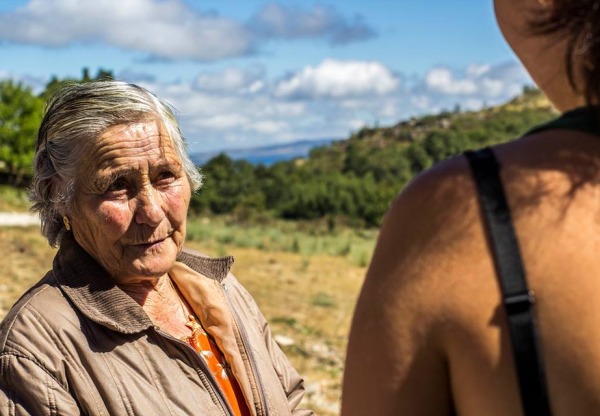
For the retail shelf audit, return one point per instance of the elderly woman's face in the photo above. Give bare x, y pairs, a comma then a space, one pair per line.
131, 202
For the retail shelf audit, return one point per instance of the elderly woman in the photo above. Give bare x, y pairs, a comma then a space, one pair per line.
128, 322
480, 296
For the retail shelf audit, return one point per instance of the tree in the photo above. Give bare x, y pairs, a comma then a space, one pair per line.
20, 117
55, 83
227, 185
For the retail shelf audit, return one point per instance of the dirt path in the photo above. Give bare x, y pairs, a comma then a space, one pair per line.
18, 219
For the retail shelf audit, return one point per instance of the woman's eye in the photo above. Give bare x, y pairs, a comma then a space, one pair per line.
117, 185
165, 177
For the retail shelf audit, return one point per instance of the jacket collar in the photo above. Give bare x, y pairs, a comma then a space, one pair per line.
94, 293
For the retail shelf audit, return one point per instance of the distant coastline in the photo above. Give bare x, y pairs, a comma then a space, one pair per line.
266, 155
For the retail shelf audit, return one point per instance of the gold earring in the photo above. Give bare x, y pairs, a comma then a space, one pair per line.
67, 223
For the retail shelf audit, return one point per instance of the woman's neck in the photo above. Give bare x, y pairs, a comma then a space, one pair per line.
162, 303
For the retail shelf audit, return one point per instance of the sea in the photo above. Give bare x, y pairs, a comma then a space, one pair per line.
266, 155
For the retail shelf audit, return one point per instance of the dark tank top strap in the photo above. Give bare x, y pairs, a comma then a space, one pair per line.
518, 300
583, 119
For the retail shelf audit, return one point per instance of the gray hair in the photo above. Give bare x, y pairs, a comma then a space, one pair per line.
74, 117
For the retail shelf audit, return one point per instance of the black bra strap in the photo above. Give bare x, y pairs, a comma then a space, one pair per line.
518, 300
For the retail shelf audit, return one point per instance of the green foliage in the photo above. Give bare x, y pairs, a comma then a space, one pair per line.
20, 117
228, 185
306, 239
55, 83
323, 300
355, 180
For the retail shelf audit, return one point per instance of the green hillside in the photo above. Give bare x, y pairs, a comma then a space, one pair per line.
354, 180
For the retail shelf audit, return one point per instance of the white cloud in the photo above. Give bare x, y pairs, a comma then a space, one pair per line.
330, 99
170, 29
441, 80
356, 124
268, 127
221, 121
279, 21
270, 107
232, 79
472, 104
476, 70
163, 29
493, 88
420, 102
477, 83
339, 79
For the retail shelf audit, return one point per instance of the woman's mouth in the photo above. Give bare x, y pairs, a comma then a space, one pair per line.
150, 245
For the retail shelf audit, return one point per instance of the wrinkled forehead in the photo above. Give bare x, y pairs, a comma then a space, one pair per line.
145, 132
128, 148
148, 138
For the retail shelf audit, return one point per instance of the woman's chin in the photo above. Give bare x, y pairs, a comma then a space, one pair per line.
152, 262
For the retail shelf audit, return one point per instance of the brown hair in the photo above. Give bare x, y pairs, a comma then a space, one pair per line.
579, 22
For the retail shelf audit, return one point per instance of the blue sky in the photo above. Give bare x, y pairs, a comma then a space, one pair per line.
245, 73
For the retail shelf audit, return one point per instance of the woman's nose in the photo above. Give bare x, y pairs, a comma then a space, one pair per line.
149, 207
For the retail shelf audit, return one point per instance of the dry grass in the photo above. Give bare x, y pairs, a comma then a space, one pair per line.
308, 299
26, 257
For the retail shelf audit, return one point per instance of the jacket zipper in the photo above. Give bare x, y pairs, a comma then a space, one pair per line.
245, 342
205, 374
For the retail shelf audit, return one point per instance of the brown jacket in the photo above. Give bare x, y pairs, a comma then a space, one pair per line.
76, 344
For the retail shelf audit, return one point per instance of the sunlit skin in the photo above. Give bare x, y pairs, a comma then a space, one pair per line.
543, 56
130, 212
131, 202
429, 334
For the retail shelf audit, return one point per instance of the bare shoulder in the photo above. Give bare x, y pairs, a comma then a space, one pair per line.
431, 245
429, 315
406, 304
433, 237
428, 223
